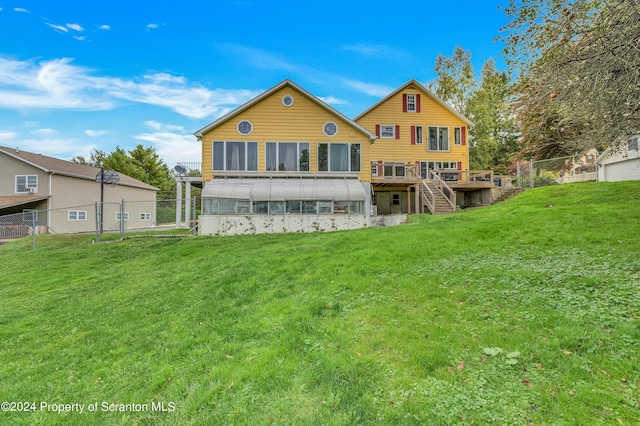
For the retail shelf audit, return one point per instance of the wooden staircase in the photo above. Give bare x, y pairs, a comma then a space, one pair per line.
434, 200
440, 202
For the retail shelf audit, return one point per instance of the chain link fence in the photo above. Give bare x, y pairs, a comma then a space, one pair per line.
554, 171
99, 218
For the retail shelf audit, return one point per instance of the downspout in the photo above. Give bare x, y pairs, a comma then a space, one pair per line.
49, 207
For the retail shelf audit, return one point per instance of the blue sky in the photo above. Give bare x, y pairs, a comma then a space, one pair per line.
82, 75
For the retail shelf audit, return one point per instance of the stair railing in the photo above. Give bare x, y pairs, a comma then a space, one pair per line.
445, 189
427, 196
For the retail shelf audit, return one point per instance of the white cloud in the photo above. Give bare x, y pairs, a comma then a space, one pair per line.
95, 133
259, 58
80, 38
6, 135
152, 26
368, 88
60, 84
50, 84
58, 28
160, 126
59, 148
105, 27
362, 49
333, 100
43, 132
172, 143
75, 27
20, 9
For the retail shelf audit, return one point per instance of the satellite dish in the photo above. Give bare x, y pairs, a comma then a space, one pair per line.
110, 177
180, 170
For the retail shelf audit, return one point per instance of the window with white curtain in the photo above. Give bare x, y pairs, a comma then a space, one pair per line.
287, 157
235, 156
339, 157
438, 139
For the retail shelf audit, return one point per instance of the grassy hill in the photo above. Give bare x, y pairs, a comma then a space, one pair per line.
525, 312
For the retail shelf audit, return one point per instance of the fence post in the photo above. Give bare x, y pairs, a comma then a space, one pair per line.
531, 179
195, 219
97, 224
122, 220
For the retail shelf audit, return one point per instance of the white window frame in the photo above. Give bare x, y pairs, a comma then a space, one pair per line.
118, 215
419, 135
437, 165
411, 103
349, 147
440, 140
145, 217
26, 185
457, 136
77, 215
387, 131
299, 149
245, 166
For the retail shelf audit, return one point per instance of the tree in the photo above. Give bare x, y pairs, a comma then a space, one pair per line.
578, 74
456, 79
155, 171
140, 163
494, 136
96, 158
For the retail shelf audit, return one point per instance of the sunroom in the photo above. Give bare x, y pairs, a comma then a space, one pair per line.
283, 204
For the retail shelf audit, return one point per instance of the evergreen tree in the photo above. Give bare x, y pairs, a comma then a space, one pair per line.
494, 136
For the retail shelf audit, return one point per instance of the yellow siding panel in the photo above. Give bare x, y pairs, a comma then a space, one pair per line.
272, 121
431, 113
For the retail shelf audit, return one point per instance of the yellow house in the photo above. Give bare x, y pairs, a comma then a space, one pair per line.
284, 162
288, 162
419, 135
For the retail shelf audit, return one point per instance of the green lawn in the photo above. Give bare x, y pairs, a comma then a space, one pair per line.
526, 312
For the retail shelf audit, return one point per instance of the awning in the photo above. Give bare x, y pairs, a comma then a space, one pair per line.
277, 189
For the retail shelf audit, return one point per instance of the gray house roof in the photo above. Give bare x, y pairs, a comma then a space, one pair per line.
68, 168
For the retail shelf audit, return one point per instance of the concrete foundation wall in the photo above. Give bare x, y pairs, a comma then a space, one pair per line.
482, 197
272, 224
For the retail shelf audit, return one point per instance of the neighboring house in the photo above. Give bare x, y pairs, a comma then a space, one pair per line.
620, 162
288, 162
60, 196
580, 168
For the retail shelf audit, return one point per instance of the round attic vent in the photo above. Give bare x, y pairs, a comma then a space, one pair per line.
287, 100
